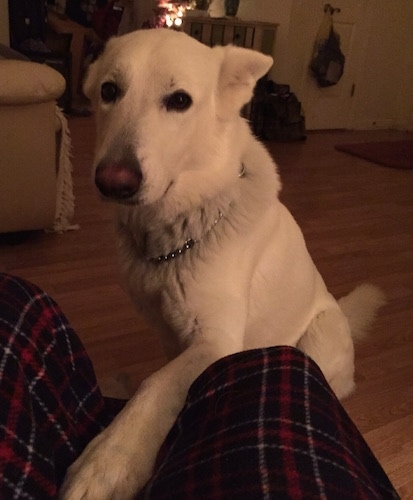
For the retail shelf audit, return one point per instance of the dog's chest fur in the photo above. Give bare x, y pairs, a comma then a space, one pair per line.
163, 274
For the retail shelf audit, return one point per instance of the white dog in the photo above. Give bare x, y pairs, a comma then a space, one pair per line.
209, 253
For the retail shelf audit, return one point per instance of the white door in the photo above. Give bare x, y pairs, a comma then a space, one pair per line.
332, 107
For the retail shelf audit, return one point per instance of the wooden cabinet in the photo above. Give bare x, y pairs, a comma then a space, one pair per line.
222, 31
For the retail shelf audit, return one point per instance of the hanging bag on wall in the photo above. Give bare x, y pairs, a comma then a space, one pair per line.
327, 62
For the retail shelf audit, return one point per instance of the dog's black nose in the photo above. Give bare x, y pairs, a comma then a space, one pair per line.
119, 180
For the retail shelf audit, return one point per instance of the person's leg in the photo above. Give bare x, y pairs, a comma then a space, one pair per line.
50, 404
265, 424
258, 424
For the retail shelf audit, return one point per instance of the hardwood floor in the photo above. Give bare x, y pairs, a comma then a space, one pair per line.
357, 218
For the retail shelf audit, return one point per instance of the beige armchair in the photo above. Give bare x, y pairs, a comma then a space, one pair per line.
32, 139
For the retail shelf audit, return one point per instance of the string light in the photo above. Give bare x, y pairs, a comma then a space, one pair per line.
171, 14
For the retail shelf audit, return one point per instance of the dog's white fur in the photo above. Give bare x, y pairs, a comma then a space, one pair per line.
247, 282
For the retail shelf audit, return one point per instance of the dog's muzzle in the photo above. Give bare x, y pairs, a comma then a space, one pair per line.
118, 180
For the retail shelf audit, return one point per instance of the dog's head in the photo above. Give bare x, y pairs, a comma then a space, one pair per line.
168, 115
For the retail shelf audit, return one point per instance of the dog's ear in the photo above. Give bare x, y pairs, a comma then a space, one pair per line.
239, 72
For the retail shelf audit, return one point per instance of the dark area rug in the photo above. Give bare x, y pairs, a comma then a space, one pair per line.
394, 154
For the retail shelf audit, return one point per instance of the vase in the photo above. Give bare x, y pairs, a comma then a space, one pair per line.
231, 7
216, 8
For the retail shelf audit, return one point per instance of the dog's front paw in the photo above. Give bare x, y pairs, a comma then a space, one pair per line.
106, 472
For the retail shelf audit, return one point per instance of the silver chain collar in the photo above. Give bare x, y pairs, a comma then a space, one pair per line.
190, 242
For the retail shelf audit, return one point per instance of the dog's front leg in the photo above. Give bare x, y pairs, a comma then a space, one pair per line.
119, 461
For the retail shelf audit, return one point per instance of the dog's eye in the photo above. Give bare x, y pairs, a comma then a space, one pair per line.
178, 101
109, 92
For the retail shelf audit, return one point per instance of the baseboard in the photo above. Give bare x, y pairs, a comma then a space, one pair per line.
384, 124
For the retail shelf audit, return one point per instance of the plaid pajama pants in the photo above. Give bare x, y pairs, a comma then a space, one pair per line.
258, 424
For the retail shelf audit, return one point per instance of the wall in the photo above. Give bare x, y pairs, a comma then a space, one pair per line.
4, 23
276, 12
384, 94
405, 97
384, 83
